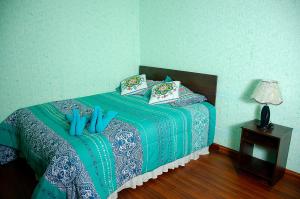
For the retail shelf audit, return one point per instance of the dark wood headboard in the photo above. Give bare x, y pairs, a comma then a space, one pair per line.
199, 83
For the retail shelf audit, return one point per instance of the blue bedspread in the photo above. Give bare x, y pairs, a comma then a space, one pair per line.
141, 138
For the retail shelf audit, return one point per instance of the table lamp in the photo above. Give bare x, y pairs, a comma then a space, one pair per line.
266, 92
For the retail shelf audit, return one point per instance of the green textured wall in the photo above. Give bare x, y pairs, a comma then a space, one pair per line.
58, 49
240, 41
51, 50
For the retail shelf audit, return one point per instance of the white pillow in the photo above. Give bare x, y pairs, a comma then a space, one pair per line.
133, 84
165, 92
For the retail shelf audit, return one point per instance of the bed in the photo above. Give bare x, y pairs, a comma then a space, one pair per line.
142, 142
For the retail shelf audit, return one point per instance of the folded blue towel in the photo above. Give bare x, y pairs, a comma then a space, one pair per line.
75, 115
77, 123
70, 117
97, 111
99, 121
80, 125
101, 126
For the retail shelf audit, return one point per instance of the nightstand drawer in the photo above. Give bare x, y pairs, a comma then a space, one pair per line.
259, 139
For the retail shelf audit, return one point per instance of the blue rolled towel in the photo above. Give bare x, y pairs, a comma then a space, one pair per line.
80, 125
77, 123
69, 117
99, 121
75, 116
105, 121
92, 127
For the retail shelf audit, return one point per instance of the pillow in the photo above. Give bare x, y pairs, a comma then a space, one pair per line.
186, 96
147, 91
189, 99
133, 84
168, 79
151, 83
184, 91
164, 92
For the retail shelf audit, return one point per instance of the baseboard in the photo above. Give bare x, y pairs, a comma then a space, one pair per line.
224, 150
235, 154
292, 173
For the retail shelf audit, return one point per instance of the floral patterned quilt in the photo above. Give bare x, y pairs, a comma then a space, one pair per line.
141, 138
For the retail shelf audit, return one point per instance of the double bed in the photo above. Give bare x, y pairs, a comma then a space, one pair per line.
142, 142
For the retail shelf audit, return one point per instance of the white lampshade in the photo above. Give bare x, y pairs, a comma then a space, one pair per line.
267, 92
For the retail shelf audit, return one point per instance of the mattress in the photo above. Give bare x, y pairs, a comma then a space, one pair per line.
142, 139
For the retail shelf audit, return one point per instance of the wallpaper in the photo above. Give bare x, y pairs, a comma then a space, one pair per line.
241, 42
53, 50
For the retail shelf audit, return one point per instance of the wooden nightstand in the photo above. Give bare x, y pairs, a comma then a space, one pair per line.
277, 139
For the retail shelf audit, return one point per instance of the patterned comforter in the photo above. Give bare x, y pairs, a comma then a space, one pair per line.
141, 138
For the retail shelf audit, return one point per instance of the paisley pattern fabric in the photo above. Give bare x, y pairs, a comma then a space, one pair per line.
12, 119
126, 144
66, 107
184, 91
200, 125
189, 99
140, 139
164, 92
133, 84
65, 170
7, 154
125, 140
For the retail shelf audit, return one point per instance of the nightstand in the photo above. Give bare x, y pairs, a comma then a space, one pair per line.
276, 139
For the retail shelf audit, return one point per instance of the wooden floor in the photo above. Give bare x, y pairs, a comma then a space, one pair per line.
212, 176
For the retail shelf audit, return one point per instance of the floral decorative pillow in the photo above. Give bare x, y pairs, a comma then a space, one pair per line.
133, 84
150, 84
165, 92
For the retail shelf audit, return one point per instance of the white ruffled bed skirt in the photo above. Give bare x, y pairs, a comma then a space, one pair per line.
139, 180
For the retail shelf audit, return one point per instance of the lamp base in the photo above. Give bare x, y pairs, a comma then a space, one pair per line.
267, 127
264, 118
